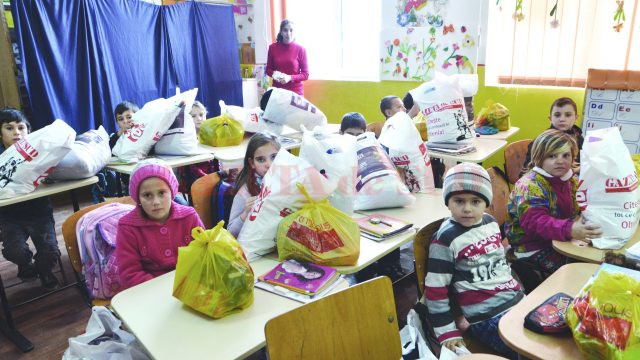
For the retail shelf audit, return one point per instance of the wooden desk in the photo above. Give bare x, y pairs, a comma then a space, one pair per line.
568, 279
485, 148
501, 135
575, 249
170, 330
172, 161
51, 189
426, 209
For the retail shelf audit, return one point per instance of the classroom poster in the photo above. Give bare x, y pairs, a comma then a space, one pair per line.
420, 37
610, 107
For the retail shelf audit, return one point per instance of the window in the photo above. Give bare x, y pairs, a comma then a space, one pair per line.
341, 37
540, 51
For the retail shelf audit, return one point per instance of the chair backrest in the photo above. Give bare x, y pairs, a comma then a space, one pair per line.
357, 323
500, 188
514, 156
375, 128
421, 251
201, 192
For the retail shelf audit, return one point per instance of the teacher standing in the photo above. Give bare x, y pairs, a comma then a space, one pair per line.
287, 61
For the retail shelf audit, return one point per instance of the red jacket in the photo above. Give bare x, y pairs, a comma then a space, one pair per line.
146, 249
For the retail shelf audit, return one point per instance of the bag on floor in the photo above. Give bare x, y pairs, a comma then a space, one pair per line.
96, 234
413, 339
221, 131
279, 197
605, 315
441, 100
288, 108
149, 124
104, 340
408, 152
26, 163
608, 192
90, 152
212, 274
318, 233
378, 184
181, 137
335, 157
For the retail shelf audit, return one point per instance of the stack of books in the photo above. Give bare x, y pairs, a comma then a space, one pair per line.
299, 280
380, 227
450, 148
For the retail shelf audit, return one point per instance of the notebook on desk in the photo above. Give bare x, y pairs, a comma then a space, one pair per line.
380, 227
450, 148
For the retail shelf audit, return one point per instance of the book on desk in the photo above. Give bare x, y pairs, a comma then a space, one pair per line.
450, 148
379, 227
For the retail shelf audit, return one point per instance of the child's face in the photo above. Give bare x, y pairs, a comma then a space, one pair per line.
155, 198
12, 132
467, 209
197, 113
124, 120
262, 158
563, 117
558, 163
396, 106
354, 131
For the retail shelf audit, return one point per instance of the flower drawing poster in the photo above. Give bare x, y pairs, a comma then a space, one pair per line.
419, 38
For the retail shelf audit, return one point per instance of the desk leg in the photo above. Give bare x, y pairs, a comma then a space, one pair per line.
74, 200
7, 327
118, 184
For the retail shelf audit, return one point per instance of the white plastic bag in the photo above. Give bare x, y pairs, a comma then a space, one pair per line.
288, 108
412, 337
250, 119
27, 162
441, 101
149, 124
279, 197
378, 184
608, 193
181, 138
90, 152
408, 152
104, 340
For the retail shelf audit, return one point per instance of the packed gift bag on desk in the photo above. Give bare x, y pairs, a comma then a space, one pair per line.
251, 119
221, 131
288, 108
26, 163
90, 152
181, 137
212, 274
495, 115
318, 233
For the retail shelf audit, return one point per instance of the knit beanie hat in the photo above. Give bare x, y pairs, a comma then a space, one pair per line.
467, 178
151, 167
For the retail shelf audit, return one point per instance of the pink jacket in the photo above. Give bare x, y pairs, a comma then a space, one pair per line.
146, 249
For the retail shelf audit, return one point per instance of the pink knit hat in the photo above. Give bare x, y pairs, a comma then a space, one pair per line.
151, 167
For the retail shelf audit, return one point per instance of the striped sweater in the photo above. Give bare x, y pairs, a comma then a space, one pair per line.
471, 259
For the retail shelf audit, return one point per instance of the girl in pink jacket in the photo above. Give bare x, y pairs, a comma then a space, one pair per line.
149, 236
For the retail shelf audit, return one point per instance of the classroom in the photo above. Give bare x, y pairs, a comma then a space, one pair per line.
314, 179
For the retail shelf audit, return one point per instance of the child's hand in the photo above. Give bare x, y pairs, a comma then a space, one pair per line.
585, 230
248, 205
453, 344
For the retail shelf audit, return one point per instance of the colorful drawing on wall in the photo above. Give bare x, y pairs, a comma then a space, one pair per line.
244, 23
446, 40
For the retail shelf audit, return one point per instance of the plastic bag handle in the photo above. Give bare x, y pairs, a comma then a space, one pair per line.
304, 192
198, 233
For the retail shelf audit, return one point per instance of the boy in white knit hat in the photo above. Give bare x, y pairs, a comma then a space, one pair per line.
467, 253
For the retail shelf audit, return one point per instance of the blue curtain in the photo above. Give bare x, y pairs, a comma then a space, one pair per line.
82, 57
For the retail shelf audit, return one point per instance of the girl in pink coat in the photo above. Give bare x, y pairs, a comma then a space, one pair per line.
149, 236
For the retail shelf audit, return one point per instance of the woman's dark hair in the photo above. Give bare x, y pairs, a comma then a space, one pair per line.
247, 174
265, 99
283, 23
407, 100
353, 120
10, 114
386, 103
309, 267
124, 106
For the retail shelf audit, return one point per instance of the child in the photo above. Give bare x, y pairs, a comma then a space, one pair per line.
390, 105
124, 115
261, 151
542, 206
33, 218
149, 236
467, 256
353, 123
562, 115
198, 113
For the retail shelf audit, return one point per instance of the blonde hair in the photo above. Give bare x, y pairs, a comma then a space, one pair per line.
550, 142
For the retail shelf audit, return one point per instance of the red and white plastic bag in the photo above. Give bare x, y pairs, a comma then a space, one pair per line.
288, 108
608, 193
26, 163
181, 137
408, 152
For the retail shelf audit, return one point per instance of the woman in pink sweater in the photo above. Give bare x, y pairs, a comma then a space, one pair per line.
287, 61
149, 236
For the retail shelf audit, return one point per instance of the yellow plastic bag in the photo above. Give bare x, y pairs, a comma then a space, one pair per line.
636, 162
605, 317
221, 130
420, 121
318, 233
493, 114
212, 274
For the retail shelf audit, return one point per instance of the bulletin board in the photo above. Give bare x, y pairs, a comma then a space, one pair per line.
613, 99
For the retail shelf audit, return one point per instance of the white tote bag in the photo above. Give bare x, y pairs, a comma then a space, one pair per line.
181, 137
608, 194
288, 108
90, 152
408, 152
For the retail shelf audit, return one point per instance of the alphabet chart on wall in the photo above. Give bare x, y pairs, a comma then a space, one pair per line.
605, 108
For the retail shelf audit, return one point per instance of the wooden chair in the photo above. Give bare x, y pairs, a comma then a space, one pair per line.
375, 128
501, 192
421, 254
514, 156
71, 243
357, 323
201, 192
